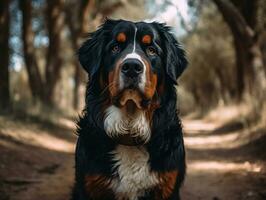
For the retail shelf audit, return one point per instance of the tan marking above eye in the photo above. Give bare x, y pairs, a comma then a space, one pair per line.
121, 37
146, 39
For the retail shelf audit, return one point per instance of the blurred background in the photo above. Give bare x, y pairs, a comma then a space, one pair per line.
221, 95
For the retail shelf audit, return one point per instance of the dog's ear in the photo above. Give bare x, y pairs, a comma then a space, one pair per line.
90, 53
174, 55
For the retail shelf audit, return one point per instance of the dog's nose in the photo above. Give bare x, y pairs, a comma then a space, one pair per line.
132, 68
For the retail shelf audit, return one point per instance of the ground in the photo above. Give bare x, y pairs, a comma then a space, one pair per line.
225, 159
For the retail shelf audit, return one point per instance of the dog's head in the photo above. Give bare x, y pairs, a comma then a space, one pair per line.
132, 63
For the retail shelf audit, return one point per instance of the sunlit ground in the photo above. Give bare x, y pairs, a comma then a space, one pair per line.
201, 138
219, 166
36, 136
222, 128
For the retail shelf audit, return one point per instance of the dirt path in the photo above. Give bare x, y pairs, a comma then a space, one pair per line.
221, 166
37, 161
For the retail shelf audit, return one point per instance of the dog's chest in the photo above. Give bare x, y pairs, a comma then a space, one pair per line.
133, 171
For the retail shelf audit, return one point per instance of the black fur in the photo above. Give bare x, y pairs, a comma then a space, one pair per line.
175, 56
166, 147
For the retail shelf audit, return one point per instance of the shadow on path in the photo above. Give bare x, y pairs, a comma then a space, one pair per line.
223, 162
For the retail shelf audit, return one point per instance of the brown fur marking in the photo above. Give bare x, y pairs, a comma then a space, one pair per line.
167, 184
146, 39
151, 81
121, 37
98, 187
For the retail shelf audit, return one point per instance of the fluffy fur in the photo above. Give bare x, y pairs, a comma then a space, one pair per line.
133, 172
116, 122
105, 167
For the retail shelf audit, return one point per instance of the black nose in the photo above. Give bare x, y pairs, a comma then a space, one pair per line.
132, 68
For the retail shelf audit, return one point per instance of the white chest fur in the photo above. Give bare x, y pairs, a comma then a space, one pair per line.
117, 123
134, 175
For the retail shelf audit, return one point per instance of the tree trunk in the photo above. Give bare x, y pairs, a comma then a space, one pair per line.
4, 55
241, 65
54, 57
34, 75
78, 25
76, 92
248, 53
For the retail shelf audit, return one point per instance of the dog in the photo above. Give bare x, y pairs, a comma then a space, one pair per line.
130, 142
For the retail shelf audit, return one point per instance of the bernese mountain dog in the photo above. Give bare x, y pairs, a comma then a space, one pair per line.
130, 142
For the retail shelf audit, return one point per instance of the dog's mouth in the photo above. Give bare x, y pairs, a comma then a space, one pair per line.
132, 100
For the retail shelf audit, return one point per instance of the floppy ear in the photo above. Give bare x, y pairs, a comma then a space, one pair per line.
174, 55
90, 53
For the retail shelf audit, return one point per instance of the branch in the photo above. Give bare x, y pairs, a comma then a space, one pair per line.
235, 20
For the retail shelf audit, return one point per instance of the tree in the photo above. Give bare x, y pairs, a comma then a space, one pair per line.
36, 82
41, 87
54, 58
4, 55
240, 15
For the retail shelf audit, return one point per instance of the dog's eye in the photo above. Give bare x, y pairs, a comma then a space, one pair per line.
115, 49
151, 51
